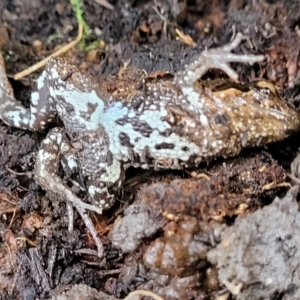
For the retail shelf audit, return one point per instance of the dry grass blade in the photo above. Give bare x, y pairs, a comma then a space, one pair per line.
185, 38
57, 53
105, 4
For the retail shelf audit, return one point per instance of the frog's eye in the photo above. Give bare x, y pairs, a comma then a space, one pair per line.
67, 76
265, 91
266, 87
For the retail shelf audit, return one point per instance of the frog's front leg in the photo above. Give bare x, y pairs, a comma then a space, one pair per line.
102, 171
13, 113
50, 153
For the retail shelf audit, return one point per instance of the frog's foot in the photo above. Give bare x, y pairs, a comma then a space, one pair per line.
52, 148
216, 58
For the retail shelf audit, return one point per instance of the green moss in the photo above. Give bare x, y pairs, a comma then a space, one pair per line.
77, 7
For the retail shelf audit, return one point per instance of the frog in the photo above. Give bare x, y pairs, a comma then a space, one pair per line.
166, 123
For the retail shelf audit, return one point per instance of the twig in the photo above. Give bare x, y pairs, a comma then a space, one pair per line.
185, 38
25, 239
57, 53
105, 4
13, 217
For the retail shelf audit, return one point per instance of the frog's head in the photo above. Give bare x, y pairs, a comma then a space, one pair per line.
75, 95
255, 111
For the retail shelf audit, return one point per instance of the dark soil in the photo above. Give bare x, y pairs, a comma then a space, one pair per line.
38, 256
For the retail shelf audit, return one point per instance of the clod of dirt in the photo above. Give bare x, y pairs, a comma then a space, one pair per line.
178, 252
260, 252
139, 221
204, 199
162, 202
15, 151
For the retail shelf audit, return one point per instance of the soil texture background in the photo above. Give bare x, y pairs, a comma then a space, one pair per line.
217, 231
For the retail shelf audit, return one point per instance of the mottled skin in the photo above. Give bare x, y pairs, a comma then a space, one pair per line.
158, 123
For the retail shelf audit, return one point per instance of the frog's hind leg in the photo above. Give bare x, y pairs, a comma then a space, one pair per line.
194, 100
52, 148
13, 113
216, 58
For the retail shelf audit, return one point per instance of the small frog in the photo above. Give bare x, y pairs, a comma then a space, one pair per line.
169, 123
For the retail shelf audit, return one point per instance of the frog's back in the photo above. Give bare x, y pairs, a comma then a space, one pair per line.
161, 124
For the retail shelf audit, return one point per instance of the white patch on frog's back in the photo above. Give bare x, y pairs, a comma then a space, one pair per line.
154, 119
140, 142
108, 121
80, 101
131, 114
41, 81
35, 97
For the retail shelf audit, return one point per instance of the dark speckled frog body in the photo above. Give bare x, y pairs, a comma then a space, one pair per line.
162, 124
